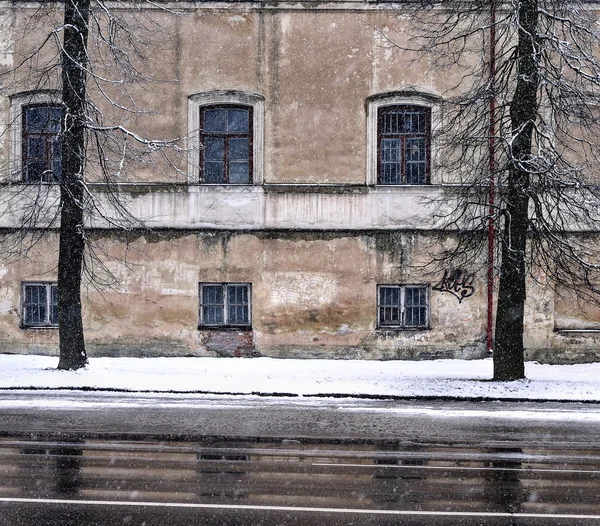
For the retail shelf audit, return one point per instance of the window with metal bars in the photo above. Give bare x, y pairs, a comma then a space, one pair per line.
403, 306
225, 305
225, 145
403, 145
42, 143
40, 305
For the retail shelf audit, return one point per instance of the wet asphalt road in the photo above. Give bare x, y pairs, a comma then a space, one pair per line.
222, 482
111, 459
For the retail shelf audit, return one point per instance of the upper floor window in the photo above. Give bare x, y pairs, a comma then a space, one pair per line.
226, 130
40, 305
41, 143
403, 306
403, 138
36, 142
225, 144
399, 137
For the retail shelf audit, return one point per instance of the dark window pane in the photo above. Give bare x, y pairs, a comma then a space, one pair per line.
389, 305
35, 170
415, 306
43, 119
237, 301
53, 125
237, 121
212, 305
213, 315
214, 148
56, 155
389, 296
238, 149
415, 149
238, 314
391, 161
53, 305
35, 307
239, 173
212, 294
214, 172
36, 147
215, 120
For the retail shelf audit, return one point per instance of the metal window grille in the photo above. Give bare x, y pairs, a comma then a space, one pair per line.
40, 305
226, 145
225, 304
42, 143
403, 144
403, 306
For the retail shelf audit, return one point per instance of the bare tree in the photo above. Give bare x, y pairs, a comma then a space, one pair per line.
523, 121
89, 52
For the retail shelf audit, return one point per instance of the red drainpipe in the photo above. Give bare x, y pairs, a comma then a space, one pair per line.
492, 187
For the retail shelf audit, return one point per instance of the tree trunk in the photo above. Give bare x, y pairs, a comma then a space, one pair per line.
509, 360
72, 235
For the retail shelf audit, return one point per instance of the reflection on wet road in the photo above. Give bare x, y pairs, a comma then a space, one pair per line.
94, 482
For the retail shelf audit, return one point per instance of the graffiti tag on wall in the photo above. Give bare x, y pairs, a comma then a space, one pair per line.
458, 283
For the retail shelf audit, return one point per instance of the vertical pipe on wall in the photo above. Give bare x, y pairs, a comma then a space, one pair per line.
492, 182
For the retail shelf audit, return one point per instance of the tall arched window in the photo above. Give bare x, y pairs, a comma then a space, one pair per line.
403, 144
400, 148
225, 144
226, 130
36, 141
42, 143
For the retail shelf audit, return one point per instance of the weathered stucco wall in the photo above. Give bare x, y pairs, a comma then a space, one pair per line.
315, 66
313, 294
314, 240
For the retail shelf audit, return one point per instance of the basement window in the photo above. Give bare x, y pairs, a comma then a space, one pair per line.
225, 305
40, 305
403, 306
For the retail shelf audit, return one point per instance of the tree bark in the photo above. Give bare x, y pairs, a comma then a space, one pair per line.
72, 234
509, 360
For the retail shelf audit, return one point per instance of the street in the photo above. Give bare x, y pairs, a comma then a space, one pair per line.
113, 458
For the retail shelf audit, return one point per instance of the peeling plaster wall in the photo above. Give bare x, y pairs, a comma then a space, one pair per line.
314, 241
313, 294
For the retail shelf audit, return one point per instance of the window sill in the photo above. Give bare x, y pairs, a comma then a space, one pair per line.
395, 330
239, 328
402, 185
589, 330
38, 327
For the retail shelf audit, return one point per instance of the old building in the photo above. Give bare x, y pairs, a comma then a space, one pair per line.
299, 217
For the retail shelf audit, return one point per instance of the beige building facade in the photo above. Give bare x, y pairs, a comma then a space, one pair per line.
297, 217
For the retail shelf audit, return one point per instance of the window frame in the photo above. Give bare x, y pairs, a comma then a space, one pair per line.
48, 323
225, 303
18, 103
48, 158
407, 97
404, 136
401, 325
226, 98
226, 136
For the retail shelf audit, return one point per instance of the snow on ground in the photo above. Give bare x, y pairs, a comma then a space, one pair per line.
448, 378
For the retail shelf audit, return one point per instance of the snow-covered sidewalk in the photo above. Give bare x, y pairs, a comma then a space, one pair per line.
443, 378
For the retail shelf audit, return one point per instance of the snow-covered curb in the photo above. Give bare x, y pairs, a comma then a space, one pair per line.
439, 378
